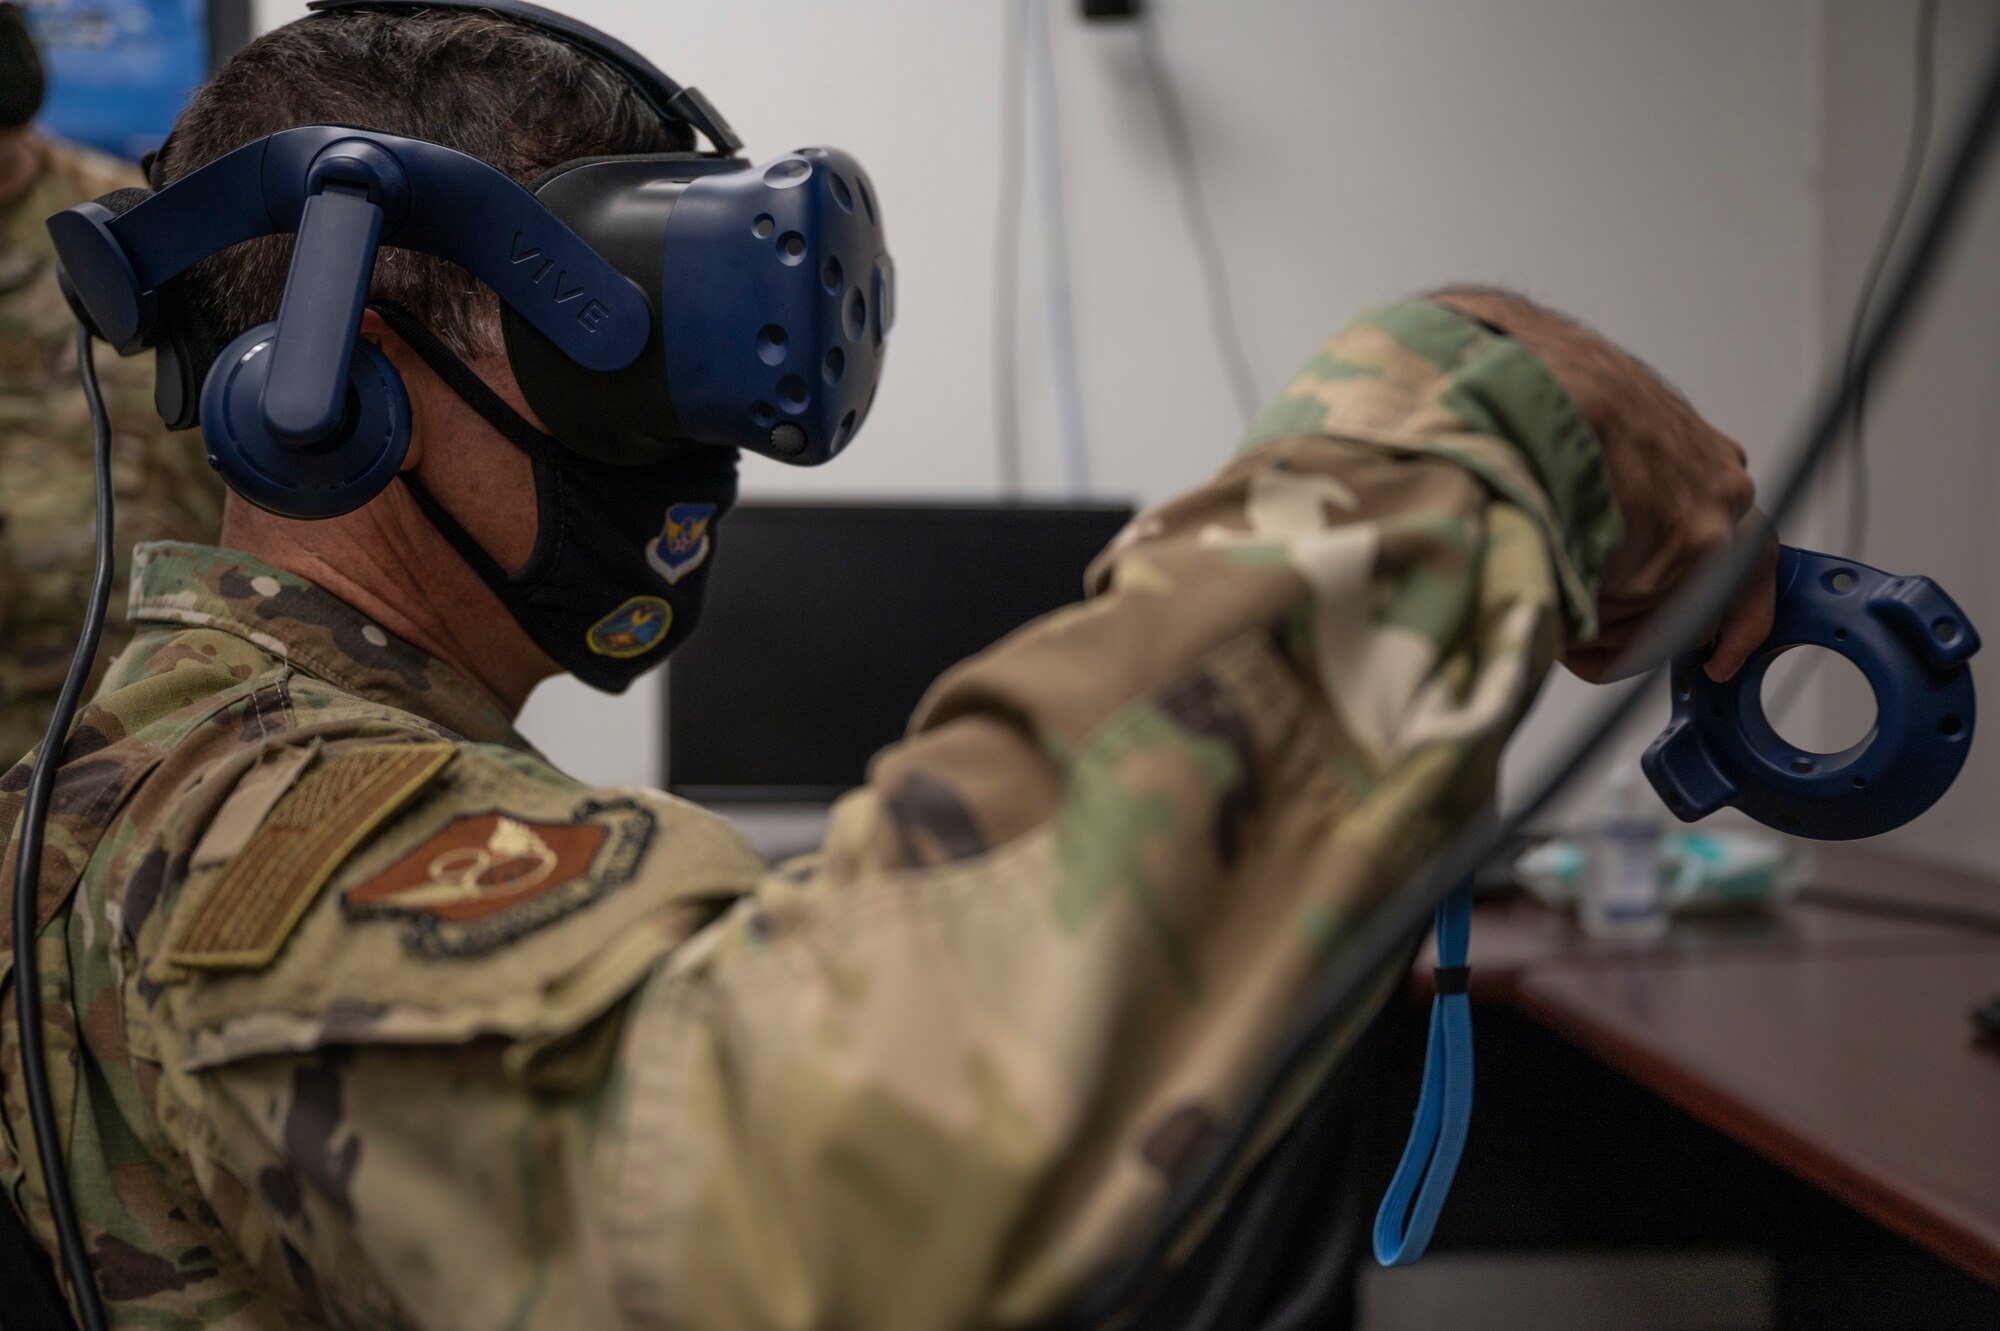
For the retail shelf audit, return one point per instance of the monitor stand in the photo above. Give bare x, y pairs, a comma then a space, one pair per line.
777, 831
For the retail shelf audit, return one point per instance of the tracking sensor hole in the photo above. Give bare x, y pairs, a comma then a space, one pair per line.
1817, 701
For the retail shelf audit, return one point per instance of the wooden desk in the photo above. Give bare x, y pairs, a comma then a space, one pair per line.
1859, 1073
1834, 1043
1517, 938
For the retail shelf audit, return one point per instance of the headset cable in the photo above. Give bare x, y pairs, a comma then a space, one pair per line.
28, 869
1922, 111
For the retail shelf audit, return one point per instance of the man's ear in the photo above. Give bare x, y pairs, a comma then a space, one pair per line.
419, 381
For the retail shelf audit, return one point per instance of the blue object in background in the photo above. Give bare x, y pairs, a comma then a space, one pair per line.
119, 70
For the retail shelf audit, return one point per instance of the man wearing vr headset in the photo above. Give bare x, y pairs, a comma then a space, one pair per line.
364, 1015
164, 490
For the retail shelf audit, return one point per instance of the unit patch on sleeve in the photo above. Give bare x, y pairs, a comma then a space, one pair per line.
485, 878
296, 848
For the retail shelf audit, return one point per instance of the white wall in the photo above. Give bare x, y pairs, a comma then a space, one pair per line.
1933, 420
1645, 165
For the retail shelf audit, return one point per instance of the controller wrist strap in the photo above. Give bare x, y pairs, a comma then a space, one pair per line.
1410, 1207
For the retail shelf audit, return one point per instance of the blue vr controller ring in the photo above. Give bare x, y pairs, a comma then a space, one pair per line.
1911, 642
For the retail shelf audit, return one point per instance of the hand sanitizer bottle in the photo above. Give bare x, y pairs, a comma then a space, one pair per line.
1624, 892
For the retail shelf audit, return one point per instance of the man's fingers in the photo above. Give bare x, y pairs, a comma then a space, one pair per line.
1748, 620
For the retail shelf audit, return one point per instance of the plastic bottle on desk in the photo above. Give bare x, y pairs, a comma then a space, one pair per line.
1623, 892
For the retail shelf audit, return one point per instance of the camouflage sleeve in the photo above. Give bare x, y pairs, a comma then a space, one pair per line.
939, 1072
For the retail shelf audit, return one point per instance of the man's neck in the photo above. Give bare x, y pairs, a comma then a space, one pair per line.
367, 558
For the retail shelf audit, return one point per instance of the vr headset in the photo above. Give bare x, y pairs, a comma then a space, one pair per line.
649, 303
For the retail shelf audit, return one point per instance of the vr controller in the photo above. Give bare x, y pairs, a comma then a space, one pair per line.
1912, 643
649, 302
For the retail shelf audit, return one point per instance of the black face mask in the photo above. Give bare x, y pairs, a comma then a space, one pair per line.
621, 554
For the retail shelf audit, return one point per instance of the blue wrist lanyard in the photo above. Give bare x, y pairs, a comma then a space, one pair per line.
1912, 642
1410, 1207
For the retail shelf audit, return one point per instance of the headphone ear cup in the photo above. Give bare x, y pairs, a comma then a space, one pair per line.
322, 480
185, 342
118, 202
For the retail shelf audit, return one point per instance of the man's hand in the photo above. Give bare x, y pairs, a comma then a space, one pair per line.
1681, 485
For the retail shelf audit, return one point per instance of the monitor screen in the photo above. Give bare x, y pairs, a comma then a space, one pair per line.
824, 624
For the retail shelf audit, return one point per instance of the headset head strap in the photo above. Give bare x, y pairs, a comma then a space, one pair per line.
668, 98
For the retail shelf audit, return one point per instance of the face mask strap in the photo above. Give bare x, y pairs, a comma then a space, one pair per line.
470, 550
544, 450
471, 389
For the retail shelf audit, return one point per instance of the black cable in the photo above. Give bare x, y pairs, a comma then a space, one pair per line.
1685, 621
28, 871
1329, 1133
1007, 257
1309, 1305
1267, 1199
1924, 95
1194, 211
1245, 1266
1921, 114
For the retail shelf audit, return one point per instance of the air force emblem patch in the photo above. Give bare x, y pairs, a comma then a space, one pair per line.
682, 546
633, 629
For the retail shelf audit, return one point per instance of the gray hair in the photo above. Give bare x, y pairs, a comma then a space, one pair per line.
489, 87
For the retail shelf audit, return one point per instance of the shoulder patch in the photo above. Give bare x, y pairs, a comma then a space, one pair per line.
485, 878
243, 922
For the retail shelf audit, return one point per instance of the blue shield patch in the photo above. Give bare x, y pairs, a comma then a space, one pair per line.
682, 545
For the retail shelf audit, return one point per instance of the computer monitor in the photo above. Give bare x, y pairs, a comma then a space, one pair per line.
825, 622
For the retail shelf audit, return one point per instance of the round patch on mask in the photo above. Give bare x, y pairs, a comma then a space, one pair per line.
633, 629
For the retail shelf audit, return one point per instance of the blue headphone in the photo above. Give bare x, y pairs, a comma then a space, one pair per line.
745, 307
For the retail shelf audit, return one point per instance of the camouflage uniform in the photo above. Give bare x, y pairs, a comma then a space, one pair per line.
363, 1015
163, 487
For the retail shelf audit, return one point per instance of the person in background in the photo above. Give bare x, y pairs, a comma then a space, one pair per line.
164, 489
